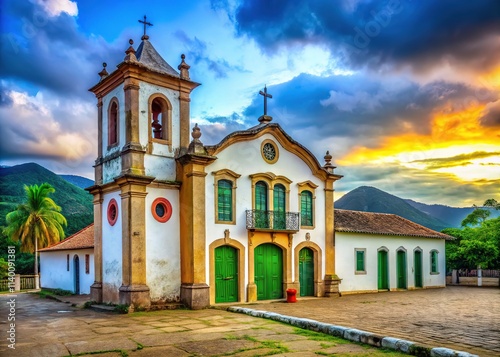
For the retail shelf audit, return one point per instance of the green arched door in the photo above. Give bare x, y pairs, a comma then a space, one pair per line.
418, 268
383, 270
401, 269
306, 272
268, 260
226, 274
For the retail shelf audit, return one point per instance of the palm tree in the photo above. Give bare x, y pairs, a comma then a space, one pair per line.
37, 222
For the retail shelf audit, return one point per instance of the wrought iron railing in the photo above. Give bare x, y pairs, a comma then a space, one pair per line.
273, 220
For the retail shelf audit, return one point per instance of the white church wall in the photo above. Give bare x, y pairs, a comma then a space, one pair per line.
160, 167
345, 263
111, 251
244, 158
163, 274
54, 273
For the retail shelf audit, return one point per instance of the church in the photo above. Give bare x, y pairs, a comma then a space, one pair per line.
176, 220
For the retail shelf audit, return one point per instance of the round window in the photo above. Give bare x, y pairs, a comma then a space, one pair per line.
112, 212
161, 210
269, 151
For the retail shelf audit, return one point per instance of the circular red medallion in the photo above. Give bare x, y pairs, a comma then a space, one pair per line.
161, 209
112, 212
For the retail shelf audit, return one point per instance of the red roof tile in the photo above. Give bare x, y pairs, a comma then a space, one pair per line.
80, 240
382, 223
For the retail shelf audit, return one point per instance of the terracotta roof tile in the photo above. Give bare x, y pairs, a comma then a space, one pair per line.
80, 240
382, 223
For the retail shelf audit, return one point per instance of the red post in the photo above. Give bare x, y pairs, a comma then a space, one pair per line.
291, 295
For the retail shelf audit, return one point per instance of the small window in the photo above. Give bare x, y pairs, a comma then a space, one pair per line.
225, 200
87, 264
306, 211
67, 262
113, 124
359, 257
434, 262
157, 119
112, 212
161, 209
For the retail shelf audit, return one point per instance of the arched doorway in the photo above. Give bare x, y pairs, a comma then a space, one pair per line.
306, 272
401, 269
76, 269
268, 262
383, 270
418, 268
226, 274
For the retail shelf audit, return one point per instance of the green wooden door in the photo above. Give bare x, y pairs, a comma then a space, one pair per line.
306, 272
268, 260
383, 270
401, 269
226, 274
418, 269
279, 207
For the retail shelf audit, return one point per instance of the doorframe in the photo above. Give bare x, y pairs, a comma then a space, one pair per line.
404, 250
418, 249
240, 248
76, 274
388, 270
282, 240
318, 264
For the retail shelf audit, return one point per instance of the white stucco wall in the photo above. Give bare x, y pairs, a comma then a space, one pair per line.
55, 275
163, 266
346, 243
111, 251
244, 158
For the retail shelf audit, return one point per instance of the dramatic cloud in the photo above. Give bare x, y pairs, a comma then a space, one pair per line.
458, 160
379, 34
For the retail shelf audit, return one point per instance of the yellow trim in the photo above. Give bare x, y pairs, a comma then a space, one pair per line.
225, 174
166, 121
241, 266
276, 150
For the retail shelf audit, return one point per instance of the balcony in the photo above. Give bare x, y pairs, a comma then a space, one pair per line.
272, 221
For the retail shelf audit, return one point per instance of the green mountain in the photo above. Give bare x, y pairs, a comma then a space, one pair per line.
79, 181
371, 199
75, 202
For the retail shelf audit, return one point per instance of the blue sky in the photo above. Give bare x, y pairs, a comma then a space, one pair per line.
403, 93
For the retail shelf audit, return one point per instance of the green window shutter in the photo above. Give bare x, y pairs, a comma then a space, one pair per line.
360, 260
225, 200
434, 259
279, 202
306, 216
261, 196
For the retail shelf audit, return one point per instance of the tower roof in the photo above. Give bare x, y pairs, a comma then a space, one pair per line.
151, 59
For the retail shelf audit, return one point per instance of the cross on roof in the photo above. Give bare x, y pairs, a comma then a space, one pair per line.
266, 95
145, 24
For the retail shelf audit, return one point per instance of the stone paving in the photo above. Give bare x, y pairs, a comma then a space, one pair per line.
49, 328
460, 318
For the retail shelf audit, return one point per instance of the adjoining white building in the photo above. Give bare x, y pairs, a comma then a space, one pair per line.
69, 264
176, 220
380, 252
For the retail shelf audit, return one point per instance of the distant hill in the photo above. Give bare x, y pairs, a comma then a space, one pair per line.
371, 199
76, 203
79, 181
451, 215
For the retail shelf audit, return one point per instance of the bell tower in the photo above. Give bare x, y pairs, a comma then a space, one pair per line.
143, 125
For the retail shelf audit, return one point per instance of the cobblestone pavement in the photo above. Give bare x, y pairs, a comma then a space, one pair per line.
460, 318
48, 328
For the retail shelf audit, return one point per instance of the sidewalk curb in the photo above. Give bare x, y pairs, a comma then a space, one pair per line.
354, 335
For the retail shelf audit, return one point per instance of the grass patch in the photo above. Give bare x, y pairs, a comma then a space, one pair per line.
318, 336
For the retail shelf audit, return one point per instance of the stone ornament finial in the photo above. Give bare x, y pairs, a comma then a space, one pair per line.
103, 74
196, 146
184, 68
130, 52
328, 163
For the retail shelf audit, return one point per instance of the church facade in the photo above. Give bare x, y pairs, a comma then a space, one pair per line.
177, 220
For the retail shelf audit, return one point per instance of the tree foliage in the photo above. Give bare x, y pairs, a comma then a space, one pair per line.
38, 222
477, 242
